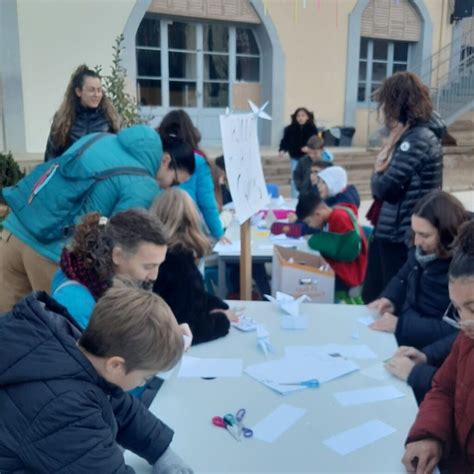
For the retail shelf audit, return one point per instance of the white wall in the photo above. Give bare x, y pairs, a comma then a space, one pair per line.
55, 37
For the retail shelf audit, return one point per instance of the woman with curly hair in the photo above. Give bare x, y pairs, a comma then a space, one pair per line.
85, 109
132, 243
409, 166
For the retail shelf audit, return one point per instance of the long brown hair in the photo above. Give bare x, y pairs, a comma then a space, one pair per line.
177, 211
66, 114
446, 214
404, 98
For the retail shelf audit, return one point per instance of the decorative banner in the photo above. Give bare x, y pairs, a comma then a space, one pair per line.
243, 164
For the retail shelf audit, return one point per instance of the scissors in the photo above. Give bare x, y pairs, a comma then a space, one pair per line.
312, 383
239, 416
222, 423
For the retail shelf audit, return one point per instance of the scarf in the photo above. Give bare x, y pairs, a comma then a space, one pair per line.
423, 258
74, 268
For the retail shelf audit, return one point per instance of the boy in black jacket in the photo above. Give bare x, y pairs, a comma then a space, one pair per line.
63, 395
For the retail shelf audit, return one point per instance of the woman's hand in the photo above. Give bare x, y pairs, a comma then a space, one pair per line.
225, 240
382, 305
187, 335
387, 323
422, 456
400, 367
233, 315
413, 354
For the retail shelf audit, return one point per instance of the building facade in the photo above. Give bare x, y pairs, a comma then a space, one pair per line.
209, 55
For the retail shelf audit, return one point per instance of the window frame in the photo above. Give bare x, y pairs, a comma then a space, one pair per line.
200, 79
369, 61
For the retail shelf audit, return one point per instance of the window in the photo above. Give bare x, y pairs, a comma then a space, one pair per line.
379, 59
189, 64
149, 63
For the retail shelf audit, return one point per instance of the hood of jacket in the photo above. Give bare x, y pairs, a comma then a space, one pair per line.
39, 344
435, 124
144, 144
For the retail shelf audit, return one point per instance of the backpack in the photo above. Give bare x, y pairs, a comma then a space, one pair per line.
59, 187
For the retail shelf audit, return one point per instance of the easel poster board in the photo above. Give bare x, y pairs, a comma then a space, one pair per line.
246, 182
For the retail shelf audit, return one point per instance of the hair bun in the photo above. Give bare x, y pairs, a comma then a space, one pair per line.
465, 240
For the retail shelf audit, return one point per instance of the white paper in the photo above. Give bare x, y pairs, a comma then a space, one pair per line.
276, 423
243, 164
287, 303
368, 395
275, 374
377, 372
197, 367
366, 320
222, 248
348, 351
358, 437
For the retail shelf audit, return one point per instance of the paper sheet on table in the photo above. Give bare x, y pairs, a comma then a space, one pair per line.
276, 423
358, 437
368, 395
349, 351
233, 247
366, 320
287, 303
377, 372
294, 368
197, 367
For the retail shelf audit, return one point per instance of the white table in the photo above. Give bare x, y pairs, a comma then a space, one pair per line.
261, 248
188, 404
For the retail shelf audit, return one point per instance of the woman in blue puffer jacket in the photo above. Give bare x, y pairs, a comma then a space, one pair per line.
200, 186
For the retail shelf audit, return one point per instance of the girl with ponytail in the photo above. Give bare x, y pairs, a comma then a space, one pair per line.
444, 427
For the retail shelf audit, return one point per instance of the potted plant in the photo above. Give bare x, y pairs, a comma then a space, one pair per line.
10, 174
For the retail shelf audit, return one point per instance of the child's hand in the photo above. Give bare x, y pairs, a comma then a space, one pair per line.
387, 323
413, 354
382, 305
400, 367
225, 240
292, 218
422, 456
187, 335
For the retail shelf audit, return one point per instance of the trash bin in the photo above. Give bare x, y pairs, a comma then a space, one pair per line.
338, 136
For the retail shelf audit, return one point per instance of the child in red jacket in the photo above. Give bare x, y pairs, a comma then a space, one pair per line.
342, 241
443, 431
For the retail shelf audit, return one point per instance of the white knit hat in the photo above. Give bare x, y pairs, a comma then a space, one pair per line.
335, 178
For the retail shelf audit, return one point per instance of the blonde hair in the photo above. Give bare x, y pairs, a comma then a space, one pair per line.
136, 325
177, 211
64, 118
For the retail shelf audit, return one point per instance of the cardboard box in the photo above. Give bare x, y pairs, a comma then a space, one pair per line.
297, 273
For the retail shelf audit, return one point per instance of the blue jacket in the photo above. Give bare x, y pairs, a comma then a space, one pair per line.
420, 296
57, 414
135, 146
76, 298
201, 188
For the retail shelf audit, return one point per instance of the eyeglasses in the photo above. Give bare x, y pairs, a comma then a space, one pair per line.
451, 316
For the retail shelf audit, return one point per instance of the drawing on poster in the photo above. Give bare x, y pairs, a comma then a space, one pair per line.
243, 164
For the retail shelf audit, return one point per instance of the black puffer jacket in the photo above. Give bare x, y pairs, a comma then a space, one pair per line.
416, 169
181, 285
295, 137
56, 413
420, 296
86, 121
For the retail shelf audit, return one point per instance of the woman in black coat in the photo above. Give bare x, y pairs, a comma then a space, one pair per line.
179, 281
409, 167
85, 109
413, 303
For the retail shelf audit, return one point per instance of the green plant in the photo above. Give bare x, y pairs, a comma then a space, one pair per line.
10, 172
115, 87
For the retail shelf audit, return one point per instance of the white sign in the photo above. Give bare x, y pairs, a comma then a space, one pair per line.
243, 164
